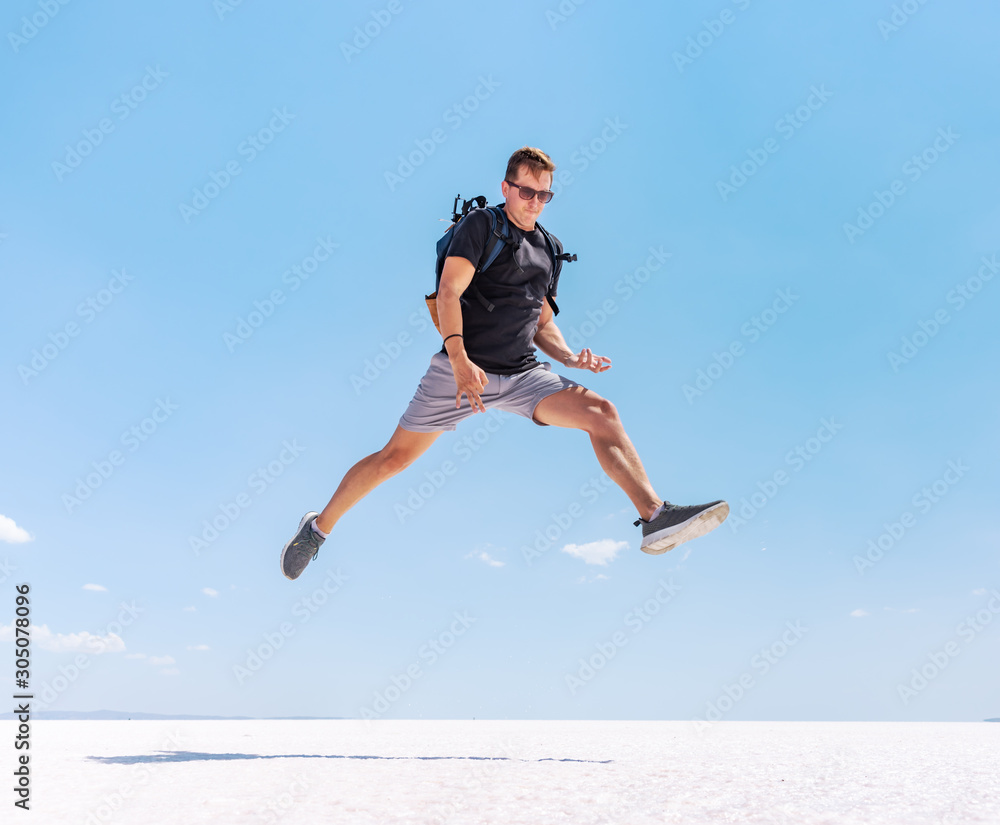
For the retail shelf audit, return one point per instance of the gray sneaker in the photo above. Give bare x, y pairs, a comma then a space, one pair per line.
301, 549
677, 524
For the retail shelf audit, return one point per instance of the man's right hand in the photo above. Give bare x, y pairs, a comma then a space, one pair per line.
470, 379
455, 279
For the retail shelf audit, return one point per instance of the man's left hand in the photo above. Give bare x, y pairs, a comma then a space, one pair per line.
586, 360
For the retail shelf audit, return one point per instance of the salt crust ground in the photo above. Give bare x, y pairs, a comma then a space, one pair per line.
357, 772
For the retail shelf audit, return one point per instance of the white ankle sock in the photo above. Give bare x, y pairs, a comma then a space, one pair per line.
658, 511
319, 532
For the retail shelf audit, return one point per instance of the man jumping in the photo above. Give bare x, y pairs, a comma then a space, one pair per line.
489, 358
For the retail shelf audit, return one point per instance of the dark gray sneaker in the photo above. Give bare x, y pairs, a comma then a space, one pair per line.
302, 549
677, 524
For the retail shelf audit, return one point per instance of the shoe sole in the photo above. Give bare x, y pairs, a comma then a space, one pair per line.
284, 549
705, 522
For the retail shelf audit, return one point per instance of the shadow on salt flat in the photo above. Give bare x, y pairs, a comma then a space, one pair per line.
193, 756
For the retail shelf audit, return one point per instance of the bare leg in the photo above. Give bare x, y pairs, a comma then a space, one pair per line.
583, 409
403, 449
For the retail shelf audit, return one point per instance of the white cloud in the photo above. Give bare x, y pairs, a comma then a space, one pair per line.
68, 642
596, 552
96, 587
485, 558
170, 671
208, 591
11, 533
191, 609
198, 647
156, 661
857, 614
135, 655
979, 591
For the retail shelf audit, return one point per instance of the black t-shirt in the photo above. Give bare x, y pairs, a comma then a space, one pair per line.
516, 284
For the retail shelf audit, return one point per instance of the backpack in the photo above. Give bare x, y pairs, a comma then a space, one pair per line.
501, 235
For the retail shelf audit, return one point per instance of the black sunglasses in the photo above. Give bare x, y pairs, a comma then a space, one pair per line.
527, 193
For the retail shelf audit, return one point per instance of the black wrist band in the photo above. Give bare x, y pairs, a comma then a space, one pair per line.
454, 335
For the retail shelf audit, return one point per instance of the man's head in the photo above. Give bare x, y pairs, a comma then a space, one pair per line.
529, 170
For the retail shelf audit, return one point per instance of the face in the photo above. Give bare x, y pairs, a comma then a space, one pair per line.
524, 213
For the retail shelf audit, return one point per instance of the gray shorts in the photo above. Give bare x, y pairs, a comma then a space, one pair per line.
433, 406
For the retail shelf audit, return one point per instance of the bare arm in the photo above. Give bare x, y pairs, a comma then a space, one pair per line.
549, 339
455, 279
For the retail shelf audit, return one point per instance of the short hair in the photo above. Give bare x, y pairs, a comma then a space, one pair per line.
534, 159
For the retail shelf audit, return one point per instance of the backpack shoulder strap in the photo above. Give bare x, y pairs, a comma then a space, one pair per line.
558, 258
500, 236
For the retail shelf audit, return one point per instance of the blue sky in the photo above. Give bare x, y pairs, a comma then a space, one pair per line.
820, 185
